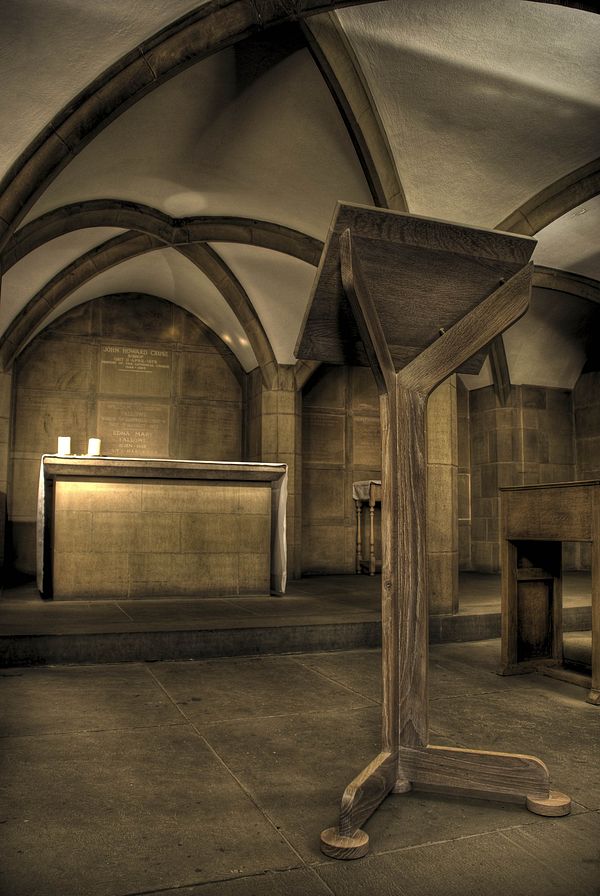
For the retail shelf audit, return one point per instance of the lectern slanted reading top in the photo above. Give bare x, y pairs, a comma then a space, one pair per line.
416, 300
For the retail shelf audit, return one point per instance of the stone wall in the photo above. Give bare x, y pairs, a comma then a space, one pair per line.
586, 406
464, 476
274, 435
5, 408
341, 443
530, 440
442, 498
138, 372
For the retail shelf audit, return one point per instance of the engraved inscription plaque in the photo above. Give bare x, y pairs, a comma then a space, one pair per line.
43, 416
205, 435
133, 429
130, 370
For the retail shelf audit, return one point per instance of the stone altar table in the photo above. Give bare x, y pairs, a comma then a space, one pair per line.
139, 527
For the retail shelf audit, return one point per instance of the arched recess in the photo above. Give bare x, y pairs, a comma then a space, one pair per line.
134, 367
542, 209
543, 278
112, 252
216, 24
171, 231
554, 201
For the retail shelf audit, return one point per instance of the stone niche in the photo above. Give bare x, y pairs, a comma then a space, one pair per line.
136, 371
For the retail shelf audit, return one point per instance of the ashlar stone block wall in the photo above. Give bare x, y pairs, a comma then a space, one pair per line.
528, 441
341, 443
586, 407
464, 476
274, 435
442, 498
5, 410
138, 372
125, 539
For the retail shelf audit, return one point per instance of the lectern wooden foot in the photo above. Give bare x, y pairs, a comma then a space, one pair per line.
361, 797
555, 804
509, 777
593, 697
338, 846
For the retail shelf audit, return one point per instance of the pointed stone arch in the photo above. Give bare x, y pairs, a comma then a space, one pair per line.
554, 201
155, 223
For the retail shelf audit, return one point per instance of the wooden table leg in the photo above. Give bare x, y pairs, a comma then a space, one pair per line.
358, 504
372, 564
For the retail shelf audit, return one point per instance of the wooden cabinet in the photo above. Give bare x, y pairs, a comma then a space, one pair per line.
536, 520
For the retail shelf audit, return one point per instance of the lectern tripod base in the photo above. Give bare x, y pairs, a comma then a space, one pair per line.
507, 777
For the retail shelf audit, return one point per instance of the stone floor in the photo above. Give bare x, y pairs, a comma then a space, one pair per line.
215, 777
317, 613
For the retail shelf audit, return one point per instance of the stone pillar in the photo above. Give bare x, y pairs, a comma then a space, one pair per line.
526, 441
442, 498
5, 407
274, 435
586, 415
464, 476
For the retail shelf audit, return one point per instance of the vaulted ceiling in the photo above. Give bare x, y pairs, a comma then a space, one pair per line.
195, 151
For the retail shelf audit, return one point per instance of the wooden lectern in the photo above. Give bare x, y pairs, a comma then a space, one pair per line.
415, 299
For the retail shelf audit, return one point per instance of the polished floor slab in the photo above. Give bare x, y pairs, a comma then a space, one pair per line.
215, 778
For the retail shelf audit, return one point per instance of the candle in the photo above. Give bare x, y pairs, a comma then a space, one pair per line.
64, 445
93, 447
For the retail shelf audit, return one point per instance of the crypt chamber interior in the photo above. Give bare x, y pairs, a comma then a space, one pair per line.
198, 594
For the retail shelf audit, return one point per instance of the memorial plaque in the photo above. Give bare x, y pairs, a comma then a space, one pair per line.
133, 429
43, 416
131, 370
210, 431
206, 375
51, 368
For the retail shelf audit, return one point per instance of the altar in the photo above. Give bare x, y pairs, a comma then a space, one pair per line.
140, 527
